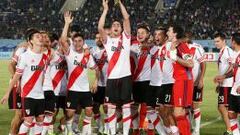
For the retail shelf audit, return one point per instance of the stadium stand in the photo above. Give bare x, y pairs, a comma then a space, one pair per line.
202, 17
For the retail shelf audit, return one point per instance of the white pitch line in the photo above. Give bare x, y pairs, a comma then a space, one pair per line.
210, 122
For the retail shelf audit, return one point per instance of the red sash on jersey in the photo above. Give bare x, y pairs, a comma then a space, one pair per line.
57, 78
115, 57
220, 56
235, 69
103, 58
141, 63
162, 55
77, 71
32, 81
153, 59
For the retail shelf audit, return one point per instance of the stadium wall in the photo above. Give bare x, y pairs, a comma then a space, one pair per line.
7, 46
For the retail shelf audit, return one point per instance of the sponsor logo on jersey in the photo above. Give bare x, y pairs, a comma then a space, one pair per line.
80, 64
36, 67
116, 49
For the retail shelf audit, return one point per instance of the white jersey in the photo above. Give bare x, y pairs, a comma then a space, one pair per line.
198, 58
121, 67
142, 59
224, 61
78, 65
236, 75
156, 71
31, 66
18, 52
55, 73
166, 64
100, 57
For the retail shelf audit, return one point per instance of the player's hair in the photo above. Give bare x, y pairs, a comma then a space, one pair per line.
53, 37
163, 29
143, 25
179, 30
236, 38
30, 32
78, 35
188, 36
220, 34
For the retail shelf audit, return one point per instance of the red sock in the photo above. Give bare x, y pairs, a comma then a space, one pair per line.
183, 125
143, 113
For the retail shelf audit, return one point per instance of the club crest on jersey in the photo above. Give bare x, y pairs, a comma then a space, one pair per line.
32, 61
68, 104
19, 105
37, 67
106, 99
80, 64
27, 111
187, 56
117, 49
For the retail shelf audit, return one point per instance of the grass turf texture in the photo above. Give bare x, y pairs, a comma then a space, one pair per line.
208, 107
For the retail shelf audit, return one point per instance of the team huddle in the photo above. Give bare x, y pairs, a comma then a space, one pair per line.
158, 78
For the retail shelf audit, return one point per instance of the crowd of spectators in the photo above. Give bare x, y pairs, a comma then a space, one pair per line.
203, 18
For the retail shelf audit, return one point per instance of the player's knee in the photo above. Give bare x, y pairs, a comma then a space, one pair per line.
232, 115
69, 114
28, 120
178, 111
88, 111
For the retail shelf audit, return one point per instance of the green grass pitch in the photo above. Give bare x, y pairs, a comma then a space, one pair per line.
208, 107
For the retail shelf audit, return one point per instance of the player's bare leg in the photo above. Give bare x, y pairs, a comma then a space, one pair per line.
69, 120
224, 113
16, 122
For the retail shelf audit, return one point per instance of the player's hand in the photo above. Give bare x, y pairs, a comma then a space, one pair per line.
4, 99
94, 87
200, 84
219, 79
238, 90
68, 17
105, 4
218, 89
172, 54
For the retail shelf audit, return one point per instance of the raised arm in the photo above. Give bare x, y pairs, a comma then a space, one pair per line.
64, 38
102, 19
126, 20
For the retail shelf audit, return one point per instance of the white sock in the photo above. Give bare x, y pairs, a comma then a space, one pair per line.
234, 126
197, 120
75, 122
174, 130
119, 120
86, 130
69, 125
24, 128
111, 119
31, 130
153, 117
46, 123
99, 122
126, 110
135, 116
38, 128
